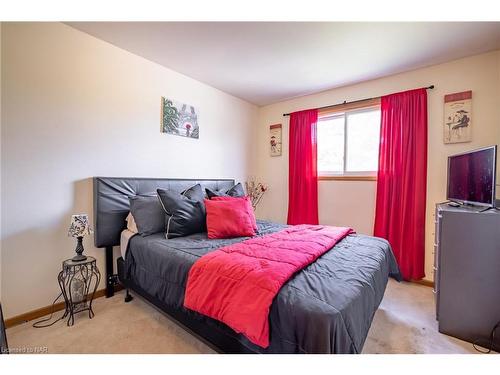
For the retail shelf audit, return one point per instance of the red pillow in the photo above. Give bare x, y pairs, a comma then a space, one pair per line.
228, 218
249, 207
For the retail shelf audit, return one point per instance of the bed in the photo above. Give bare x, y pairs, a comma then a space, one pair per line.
327, 307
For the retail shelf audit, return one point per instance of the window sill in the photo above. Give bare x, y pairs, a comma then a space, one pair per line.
347, 178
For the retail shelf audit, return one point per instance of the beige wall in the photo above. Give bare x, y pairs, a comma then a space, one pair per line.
74, 107
352, 203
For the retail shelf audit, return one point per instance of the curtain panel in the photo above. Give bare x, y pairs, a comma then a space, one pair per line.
303, 171
402, 179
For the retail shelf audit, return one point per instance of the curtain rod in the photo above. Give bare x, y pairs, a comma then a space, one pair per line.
354, 101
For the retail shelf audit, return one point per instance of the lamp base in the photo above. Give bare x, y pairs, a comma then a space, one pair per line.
79, 250
79, 258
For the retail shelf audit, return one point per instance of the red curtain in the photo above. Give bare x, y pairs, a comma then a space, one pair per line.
303, 171
402, 179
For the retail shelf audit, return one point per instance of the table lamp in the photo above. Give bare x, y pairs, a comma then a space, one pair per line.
78, 228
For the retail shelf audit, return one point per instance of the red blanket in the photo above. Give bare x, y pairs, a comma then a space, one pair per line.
236, 284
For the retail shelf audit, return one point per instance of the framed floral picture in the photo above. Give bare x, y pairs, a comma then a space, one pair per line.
275, 139
458, 117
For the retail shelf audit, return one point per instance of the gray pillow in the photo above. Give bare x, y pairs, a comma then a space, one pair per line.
148, 214
236, 191
185, 212
195, 193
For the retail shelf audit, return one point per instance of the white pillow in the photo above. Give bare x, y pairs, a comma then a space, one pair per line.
131, 225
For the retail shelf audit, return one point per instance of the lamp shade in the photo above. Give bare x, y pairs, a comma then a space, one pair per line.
79, 226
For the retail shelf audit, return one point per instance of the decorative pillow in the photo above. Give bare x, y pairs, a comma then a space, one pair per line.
148, 214
195, 193
228, 218
249, 207
185, 212
235, 191
131, 225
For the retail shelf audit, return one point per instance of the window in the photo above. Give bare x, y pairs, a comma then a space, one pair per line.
348, 142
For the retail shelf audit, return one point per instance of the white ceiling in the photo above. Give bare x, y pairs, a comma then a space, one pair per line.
267, 62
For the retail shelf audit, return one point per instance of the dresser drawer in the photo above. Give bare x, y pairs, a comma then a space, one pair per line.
436, 256
437, 229
435, 290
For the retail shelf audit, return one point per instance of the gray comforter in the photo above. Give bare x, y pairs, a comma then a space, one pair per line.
327, 307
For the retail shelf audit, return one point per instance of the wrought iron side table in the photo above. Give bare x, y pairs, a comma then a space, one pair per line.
78, 282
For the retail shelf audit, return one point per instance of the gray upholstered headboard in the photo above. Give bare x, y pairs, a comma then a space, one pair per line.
111, 204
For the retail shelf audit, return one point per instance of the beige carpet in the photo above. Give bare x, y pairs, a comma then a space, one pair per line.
404, 323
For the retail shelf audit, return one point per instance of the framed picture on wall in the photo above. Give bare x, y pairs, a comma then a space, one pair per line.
275, 139
458, 117
179, 119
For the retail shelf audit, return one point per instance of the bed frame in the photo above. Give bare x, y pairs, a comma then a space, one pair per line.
111, 207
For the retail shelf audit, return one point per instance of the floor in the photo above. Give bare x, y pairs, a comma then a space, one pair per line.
404, 323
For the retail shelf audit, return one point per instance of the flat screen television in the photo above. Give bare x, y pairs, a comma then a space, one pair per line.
471, 177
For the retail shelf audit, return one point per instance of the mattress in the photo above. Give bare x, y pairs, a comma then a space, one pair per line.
327, 307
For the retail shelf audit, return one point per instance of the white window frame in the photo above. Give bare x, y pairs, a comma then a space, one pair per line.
344, 173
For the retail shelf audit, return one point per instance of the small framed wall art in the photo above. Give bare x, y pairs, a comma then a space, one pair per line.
179, 119
457, 117
275, 139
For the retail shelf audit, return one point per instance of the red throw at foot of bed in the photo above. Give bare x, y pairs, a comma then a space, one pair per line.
236, 284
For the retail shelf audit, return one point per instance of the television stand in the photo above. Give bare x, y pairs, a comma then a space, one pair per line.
487, 209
